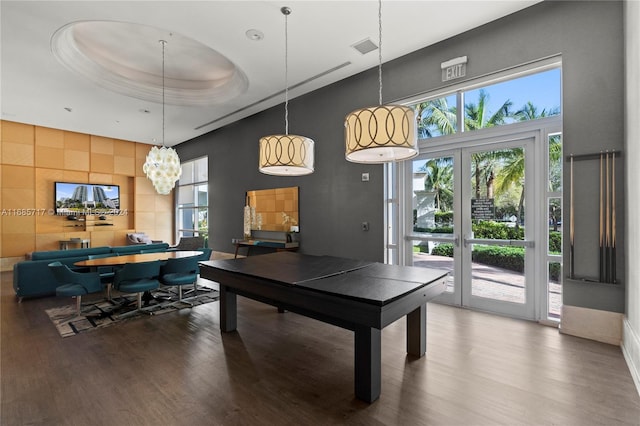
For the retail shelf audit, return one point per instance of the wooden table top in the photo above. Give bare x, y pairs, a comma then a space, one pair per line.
137, 258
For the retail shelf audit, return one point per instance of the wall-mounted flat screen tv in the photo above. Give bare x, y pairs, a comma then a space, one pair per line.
86, 199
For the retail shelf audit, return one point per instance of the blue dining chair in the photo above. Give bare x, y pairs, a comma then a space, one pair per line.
206, 255
178, 272
75, 284
137, 278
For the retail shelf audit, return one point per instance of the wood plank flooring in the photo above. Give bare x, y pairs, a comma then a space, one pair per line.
285, 369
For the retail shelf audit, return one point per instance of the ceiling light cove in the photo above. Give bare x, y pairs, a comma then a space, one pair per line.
122, 57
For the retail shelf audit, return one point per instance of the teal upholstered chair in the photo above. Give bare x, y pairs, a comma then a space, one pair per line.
75, 284
137, 278
179, 272
106, 272
206, 255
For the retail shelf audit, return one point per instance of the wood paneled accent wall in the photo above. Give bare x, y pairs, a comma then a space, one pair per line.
32, 158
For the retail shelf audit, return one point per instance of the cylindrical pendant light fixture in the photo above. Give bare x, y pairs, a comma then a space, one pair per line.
382, 133
286, 155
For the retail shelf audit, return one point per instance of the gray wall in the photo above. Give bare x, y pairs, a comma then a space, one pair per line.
334, 201
631, 324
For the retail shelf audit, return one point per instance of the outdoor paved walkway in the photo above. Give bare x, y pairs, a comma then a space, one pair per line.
492, 282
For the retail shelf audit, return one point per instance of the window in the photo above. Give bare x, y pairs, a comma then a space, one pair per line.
193, 199
524, 98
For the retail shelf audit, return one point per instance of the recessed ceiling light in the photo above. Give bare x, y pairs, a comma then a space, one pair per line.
254, 35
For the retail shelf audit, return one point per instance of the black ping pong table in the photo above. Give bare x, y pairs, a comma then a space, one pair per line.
353, 294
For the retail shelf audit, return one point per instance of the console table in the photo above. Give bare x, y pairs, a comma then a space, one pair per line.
279, 245
83, 242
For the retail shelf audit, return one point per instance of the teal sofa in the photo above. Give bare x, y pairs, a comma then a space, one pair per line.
32, 278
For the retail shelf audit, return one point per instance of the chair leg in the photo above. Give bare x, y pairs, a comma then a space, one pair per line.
109, 288
78, 305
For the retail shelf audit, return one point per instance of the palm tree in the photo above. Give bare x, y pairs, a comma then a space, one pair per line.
439, 180
435, 118
477, 116
512, 173
530, 112
513, 170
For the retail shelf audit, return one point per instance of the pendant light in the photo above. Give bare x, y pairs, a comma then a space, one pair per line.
286, 155
382, 133
162, 165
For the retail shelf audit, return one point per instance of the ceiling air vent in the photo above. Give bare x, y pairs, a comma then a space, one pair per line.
365, 46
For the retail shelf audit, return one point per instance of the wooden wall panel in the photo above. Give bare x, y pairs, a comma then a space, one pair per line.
102, 238
49, 241
102, 178
32, 158
18, 154
102, 163
16, 244
52, 138
18, 177
77, 142
49, 157
76, 160
17, 133
125, 148
101, 145
124, 165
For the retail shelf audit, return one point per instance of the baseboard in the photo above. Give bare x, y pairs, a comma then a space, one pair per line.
631, 351
594, 324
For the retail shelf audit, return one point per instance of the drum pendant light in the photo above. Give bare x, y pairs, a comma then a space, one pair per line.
383, 133
286, 155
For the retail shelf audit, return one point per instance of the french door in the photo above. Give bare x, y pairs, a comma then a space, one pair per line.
474, 215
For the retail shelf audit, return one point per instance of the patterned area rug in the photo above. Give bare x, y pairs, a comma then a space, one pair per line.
103, 313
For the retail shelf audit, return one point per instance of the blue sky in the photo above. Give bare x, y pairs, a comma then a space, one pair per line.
542, 89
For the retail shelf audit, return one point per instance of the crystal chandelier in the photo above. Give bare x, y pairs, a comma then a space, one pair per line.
162, 165
286, 155
382, 133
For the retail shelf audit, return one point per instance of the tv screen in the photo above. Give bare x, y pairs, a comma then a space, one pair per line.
86, 199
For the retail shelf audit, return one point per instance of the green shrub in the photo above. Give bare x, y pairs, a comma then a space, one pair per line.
554, 272
511, 258
443, 249
555, 242
496, 231
438, 230
443, 218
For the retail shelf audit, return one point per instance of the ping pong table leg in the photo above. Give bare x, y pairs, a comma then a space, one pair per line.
228, 309
417, 331
367, 363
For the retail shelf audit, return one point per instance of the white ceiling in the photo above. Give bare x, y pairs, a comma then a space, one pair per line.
37, 89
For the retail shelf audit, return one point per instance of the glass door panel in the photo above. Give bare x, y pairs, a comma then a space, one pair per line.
433, 236
497, 248
471, 217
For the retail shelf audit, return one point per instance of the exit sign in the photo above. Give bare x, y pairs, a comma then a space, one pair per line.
454, 68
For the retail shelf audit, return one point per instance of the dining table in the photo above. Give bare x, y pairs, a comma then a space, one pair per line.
136, 258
